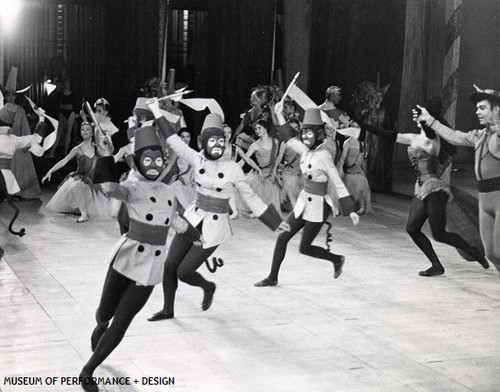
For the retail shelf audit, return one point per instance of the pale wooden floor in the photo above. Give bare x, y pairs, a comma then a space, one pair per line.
379, 328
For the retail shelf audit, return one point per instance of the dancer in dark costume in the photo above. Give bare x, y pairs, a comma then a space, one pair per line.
486, 141
430, 156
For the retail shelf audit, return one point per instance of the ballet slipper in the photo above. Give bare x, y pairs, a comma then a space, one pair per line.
207, 298
83, 218
86, 381
337, 267
161, 315
478, 256
266, 282
433, 271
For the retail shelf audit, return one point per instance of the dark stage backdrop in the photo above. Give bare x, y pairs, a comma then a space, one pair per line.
107, 48
353, 41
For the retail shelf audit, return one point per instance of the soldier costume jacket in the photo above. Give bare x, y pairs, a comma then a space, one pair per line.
140, 253
215, 181
318, 168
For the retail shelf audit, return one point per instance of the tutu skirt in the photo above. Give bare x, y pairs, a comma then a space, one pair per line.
75, 195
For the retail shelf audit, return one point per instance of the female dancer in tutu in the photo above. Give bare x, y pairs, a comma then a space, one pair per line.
77, 192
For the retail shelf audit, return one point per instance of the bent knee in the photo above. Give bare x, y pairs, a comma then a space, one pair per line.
411, 230
305, 249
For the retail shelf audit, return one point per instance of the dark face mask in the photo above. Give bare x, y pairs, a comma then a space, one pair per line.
312, 138
214, 148
150, 164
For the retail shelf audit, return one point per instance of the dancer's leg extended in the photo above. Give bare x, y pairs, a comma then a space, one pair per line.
132, 301
187, 272
112, 292
280, 249
436, 210
183, 260
176, 252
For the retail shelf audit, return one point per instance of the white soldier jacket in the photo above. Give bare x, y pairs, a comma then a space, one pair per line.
318, 168
215, 182
140, 253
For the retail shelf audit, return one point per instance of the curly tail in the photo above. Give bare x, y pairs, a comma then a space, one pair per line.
4, 193
218, 262
328, 234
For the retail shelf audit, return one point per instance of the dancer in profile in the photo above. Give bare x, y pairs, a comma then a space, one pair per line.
216, 180
137, 263
486, 140
313, 205
430, 155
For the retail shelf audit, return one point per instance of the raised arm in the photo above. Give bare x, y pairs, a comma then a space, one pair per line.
169, 132
63, 162
106, 175
454, 137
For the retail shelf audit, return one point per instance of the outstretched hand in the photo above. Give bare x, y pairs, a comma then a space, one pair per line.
283, 227
422, 116
105, 147
278, 107
355, 218
153, 103
46, 177
199, 242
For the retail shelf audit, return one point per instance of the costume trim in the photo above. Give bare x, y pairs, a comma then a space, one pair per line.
212, 204
270, 217
489, 185
5, 163
147, 234
347, 205
316, 187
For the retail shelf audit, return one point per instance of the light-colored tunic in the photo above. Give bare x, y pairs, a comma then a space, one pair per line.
217, 179
150, 202
316, 165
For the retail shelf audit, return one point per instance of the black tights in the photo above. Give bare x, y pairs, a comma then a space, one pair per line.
433, 207
311, 230
183, 260
121, 300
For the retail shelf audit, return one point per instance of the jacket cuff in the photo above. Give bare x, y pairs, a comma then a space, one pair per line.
271, 218
347, 205
167, 129
106, 171
41, 129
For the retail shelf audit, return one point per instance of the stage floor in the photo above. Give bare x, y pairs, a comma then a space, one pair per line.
379, 327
